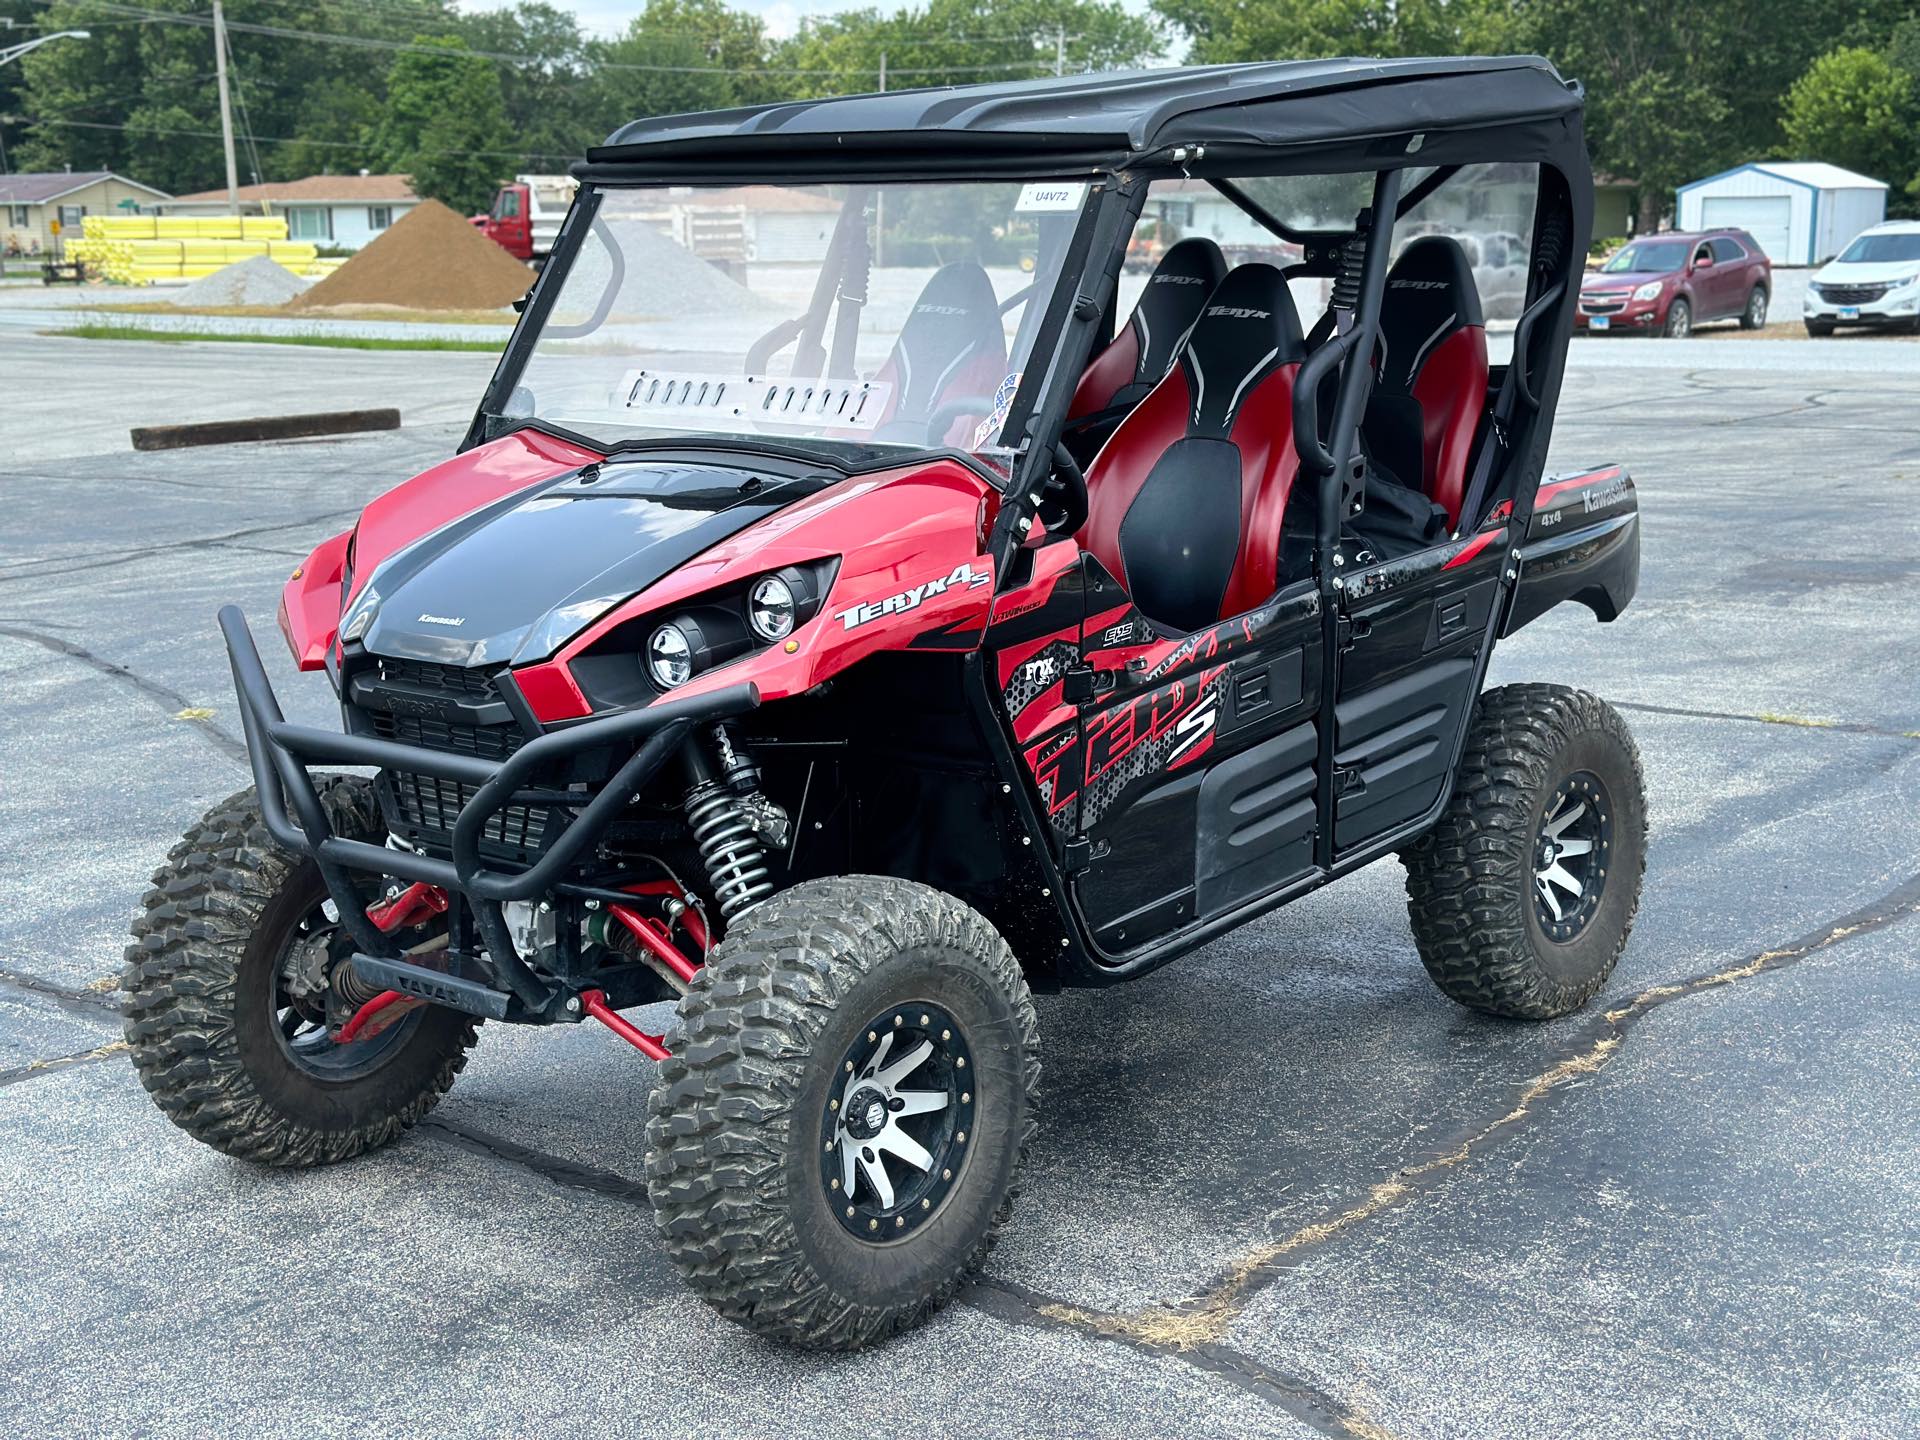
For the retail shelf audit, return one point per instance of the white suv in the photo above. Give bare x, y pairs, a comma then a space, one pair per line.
1874, 281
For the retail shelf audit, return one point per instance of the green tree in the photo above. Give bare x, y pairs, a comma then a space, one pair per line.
676, 56
445, 123
1854, 108
960, 42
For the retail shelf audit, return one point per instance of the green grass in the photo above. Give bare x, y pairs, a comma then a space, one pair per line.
331, 342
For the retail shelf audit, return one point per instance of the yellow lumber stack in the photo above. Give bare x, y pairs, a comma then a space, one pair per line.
142, 249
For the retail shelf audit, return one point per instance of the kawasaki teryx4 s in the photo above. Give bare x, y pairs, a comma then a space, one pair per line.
863, 599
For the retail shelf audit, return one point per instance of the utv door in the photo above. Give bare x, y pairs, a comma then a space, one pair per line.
1199, 759
1415, 635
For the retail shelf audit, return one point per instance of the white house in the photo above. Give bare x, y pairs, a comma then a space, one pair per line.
1802, 212
342, 211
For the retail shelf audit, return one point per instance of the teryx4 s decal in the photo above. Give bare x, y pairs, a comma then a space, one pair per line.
964, 574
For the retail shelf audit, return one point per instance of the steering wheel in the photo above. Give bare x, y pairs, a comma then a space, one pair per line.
1061, 502
942, 419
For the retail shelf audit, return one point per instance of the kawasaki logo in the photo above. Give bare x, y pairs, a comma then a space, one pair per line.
963, 574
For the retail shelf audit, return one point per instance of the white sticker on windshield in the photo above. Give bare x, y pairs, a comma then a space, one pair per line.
1002, 400
1048, 197
725, 402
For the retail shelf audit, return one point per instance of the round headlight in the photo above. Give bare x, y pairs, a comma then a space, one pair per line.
669, 657
770, 608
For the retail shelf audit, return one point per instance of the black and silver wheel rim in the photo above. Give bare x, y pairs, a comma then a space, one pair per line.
898, 1122
298, 1013
1570, 856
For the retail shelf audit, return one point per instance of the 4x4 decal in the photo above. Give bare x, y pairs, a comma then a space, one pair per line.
964, 573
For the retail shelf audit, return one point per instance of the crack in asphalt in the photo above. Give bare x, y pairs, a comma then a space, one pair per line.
1796, 722
177, 706
1315, 1408
97, 559
89, 1002
569, 1173
34, 1069
1203, 1320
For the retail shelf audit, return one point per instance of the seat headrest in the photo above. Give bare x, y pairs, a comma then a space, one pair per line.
1430, 294
957, 316
1246, 330
1186, 275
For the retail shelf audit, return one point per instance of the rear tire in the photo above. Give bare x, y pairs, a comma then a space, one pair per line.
751, 1116
1754, 317
208, 1015
1547, 772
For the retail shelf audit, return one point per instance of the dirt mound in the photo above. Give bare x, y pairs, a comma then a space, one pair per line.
429, 260
254, 281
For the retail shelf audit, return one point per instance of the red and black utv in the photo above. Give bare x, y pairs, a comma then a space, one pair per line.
923, 612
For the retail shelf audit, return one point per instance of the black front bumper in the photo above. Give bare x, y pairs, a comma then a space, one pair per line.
290, 805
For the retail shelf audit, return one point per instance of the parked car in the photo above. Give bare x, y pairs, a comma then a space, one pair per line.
1667, 284
1875, 282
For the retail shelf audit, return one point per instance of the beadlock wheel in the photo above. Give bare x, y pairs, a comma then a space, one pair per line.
1570, 856
894, 1138
834, 1141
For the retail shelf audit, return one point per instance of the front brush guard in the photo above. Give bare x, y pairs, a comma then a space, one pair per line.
279, 753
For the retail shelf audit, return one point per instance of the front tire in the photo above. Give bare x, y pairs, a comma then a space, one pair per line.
785, 1092
1679, 323
225, 1031
1524, 893
1819, 329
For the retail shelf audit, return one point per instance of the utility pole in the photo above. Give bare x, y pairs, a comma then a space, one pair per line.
879, 192
226, 107
1059, 50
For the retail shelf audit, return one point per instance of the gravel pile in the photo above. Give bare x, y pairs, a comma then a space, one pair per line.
661, 280
430, 259
253, 281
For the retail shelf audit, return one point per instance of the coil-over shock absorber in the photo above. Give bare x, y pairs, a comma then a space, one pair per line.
733, 824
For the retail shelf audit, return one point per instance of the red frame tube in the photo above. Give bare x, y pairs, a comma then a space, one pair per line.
596, 1005
415, 905
649, 935
362, 1017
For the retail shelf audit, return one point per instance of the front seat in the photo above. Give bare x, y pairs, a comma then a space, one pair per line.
1139, 356
951, 348
1431, 387
1185, 502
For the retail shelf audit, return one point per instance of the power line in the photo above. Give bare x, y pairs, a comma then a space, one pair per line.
284, 140
369, 42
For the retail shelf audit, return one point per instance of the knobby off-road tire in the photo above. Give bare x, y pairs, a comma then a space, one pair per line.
202, 990
1471, 880
744, 1191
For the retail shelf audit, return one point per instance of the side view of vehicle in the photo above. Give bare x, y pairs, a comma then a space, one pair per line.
1666, 284
1874, 283
524, 219
929, 633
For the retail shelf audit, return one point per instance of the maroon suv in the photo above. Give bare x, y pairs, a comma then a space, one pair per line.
1667, 284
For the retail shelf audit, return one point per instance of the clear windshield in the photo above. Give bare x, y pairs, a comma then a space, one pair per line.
862, 320
1887, 249
1650, 257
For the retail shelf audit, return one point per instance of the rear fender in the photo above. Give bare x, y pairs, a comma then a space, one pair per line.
1582, 543
913, 575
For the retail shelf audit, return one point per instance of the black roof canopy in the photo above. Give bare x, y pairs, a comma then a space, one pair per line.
1362, 112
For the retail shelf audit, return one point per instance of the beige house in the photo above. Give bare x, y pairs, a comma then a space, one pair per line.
31, 204
341, 211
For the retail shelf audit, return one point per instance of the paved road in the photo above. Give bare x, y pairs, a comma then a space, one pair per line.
1281, 1189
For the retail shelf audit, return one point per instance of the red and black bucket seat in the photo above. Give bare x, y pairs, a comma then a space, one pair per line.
1185, 501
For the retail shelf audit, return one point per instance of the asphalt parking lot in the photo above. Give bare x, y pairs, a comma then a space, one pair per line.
1282, 1188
